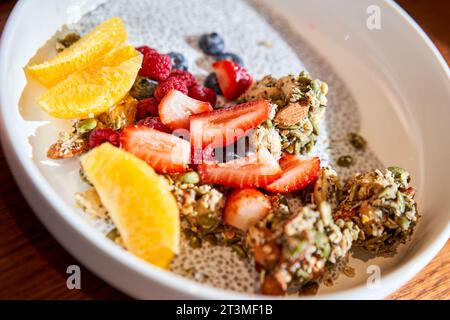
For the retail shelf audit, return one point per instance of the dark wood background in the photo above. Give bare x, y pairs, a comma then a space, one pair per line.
33, 265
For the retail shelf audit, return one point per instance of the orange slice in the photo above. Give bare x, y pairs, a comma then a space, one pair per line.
139, 202
94, 89
106, 36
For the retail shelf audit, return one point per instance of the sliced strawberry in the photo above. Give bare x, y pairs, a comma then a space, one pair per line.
254, 171
298, 173
234, 79
176, 107
225, 126
245, 207
163, 152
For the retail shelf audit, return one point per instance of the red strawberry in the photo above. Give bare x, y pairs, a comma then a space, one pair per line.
206, 155
145, 50
170, 84
245, 207
175, 109
298, 173
234, 79
154, 123
156, 66
254, 171
223, 127
147, 107
186, 76
99, 136
163, 152
202, 93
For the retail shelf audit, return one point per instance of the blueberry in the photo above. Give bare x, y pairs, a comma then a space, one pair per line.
143, 88
211, 44
179, 61
230, 56
212, 82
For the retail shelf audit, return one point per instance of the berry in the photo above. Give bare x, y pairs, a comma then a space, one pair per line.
212, 82
211, 44
147, 107
99, 136
145, 50
202, 93
223, 127
176, 108
234, 79
230, 56
164, 152
179, 61
156, 67
170, 84
154, 123
245, 207
185, 76
298, 173
143, 88
254, 171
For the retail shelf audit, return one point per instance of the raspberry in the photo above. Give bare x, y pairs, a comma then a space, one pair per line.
156, 67
164, 87
202, 93
147, 107
147, 50
99, 136
154, 123
185, 76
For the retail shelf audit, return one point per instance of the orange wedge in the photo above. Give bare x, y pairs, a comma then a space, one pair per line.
106, 36
139, 202
94, 89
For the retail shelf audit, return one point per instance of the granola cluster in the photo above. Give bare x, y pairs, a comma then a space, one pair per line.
300, 103
295, 249
383, 206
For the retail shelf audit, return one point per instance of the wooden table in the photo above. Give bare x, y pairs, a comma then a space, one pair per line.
33, 265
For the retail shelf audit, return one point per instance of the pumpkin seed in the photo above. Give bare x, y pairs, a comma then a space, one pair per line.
345, 161
268, 123
239, 250
68, 40
85, 126
357, 141
208, 222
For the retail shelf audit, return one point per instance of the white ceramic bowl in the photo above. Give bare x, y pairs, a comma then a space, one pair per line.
396, 75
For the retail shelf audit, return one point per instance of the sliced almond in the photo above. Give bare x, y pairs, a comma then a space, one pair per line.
292, 114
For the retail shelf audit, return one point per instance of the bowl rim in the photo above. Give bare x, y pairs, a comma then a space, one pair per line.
37, 190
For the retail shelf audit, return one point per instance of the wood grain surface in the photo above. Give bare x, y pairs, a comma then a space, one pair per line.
33, 265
